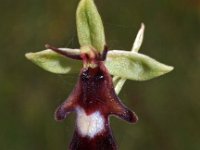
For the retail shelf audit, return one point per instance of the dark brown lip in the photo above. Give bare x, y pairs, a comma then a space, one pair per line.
94, 92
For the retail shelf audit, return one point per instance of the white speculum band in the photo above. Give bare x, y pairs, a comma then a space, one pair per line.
89, 125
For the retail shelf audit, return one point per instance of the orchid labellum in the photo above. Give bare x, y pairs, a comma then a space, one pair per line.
93, 99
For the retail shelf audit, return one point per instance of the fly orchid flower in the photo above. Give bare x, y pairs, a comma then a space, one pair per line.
94, 97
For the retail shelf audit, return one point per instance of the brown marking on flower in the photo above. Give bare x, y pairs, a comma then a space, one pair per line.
93, 99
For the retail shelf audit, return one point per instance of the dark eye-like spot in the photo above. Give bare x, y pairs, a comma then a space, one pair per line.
99, 77
85, 76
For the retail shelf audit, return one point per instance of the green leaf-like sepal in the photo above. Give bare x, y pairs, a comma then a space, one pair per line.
54, 62
124, 64
89, 26
134, 66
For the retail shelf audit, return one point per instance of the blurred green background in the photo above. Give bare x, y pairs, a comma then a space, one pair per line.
168, 107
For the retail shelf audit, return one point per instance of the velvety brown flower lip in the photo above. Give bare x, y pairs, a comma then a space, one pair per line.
94, 100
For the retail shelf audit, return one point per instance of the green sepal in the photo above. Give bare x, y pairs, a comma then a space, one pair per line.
55, 63
134, 66
89, 26
124, 64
